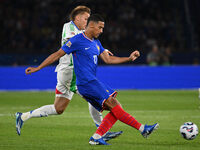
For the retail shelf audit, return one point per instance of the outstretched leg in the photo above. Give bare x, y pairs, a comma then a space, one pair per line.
57, 108
63, 93
117, 113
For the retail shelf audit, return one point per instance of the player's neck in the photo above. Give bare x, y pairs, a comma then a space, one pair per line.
89, 35
77, 25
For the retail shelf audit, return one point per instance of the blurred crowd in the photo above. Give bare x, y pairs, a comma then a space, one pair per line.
154, 27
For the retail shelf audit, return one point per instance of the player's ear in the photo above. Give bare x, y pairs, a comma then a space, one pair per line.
77, 17
91, 24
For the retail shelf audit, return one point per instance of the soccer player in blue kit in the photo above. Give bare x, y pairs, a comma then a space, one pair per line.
85, 48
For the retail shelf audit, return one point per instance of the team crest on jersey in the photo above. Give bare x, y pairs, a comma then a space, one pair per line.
107, 91
69, 44
98, 47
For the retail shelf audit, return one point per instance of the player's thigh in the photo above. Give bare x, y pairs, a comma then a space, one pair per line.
96, 93
64, 77
111, 102
64, 83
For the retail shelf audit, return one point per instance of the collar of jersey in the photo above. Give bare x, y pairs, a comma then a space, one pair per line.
87, 37
74, 25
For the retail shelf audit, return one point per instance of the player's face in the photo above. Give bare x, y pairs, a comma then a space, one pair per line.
83, 20
98, 29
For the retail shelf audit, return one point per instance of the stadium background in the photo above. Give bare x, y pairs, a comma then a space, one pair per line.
31, 30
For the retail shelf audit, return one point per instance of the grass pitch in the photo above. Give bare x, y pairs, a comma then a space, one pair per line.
72, 130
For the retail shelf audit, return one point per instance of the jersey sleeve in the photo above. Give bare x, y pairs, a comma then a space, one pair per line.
69, 46
100, 46
67, 32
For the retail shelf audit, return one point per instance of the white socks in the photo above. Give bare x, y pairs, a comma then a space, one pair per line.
141, 129
96, 136
43, 111
46, 110
95, 114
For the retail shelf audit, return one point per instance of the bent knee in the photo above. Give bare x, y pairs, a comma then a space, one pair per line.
60, 104
59, 111
111, 102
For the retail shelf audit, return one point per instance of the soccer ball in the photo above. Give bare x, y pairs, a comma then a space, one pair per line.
189, 130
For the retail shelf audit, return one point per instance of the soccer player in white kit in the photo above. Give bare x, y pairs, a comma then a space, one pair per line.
66, 79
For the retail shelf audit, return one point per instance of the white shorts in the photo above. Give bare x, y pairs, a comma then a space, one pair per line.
66, 83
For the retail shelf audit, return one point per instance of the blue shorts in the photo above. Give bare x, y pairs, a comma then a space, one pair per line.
96, 92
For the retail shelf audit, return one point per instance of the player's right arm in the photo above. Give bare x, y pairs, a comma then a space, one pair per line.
66, 48
49, 60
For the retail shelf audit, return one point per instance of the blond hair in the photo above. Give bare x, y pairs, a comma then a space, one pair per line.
79, 10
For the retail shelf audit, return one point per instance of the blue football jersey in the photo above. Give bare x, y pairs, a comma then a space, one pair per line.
85, 56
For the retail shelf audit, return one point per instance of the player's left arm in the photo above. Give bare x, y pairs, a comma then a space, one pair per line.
118, 60
109, 52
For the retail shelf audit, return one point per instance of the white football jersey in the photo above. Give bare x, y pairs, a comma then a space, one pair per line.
69, 30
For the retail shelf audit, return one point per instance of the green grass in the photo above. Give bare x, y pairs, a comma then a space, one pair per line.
72, 130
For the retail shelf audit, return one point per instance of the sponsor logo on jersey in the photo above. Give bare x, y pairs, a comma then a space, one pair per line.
69, 44
87, 48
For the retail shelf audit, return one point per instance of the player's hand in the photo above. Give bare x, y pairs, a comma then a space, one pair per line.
134, 55
109, 52
30, 70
